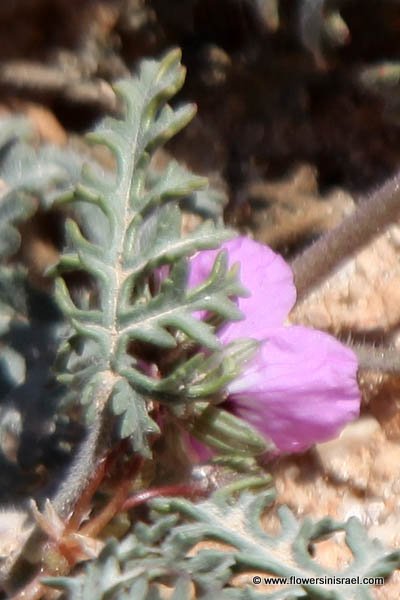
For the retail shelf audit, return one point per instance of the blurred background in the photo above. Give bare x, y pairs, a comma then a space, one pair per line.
298, 100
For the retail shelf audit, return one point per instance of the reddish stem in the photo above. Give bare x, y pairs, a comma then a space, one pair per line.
183, 489
82, 507
98, 523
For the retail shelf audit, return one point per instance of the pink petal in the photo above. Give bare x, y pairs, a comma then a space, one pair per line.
264, 273
301, 388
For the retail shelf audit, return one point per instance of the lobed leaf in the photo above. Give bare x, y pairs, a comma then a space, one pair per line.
164, 552
129, 241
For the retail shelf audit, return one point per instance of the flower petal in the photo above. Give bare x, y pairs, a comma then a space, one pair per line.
300, 388
264, 273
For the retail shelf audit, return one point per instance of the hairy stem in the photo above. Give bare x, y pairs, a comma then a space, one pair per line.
370, 218
377, 358
83, 505
83, 465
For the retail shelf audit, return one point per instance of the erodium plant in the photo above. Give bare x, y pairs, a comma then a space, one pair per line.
136, 347
132, 227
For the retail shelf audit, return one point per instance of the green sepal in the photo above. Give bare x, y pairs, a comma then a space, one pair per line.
225, 433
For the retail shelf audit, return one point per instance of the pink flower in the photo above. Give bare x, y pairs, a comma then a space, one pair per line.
301, 386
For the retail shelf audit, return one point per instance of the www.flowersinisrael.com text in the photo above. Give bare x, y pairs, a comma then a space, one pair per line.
321, 580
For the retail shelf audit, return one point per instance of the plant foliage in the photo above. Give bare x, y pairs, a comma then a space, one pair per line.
131, 231
30, 322
162, 552
29, 178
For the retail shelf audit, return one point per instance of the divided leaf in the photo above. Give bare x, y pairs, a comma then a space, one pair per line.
29, 177
129, 241
162, 552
